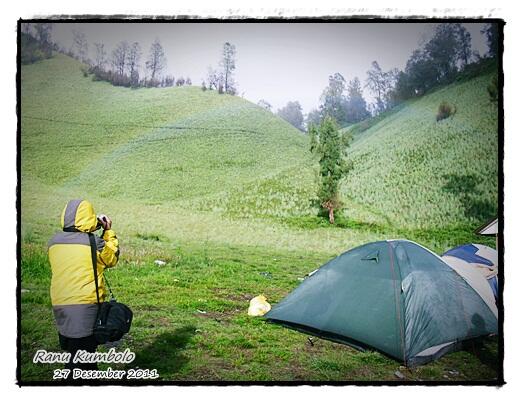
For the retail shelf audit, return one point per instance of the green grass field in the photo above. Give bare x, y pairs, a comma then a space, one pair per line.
224, 192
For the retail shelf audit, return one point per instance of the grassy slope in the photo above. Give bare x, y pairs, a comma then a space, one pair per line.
147, 144
424, 173
222, 191
409, 171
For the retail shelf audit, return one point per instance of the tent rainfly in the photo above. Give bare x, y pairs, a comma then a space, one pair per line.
475, 257
394, 296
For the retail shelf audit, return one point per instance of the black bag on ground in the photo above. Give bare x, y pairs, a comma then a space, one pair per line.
113, 319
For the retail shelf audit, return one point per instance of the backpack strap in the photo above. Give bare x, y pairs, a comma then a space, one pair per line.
92, 241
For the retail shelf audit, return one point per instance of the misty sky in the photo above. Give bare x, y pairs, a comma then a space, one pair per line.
278, 62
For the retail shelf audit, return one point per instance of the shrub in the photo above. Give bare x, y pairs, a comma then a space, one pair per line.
445, 110
168, 81
492, 89
153, 83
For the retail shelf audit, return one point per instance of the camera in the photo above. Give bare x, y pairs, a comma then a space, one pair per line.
102, 221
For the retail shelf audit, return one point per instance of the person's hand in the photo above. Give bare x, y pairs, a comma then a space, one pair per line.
105, 221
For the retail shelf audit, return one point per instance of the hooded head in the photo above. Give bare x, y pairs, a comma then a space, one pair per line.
79, 216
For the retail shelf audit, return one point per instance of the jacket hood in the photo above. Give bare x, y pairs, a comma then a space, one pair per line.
79, 216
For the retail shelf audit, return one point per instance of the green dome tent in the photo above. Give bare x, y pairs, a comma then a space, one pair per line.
394, 296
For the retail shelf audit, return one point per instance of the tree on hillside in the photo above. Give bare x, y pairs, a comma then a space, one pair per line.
100, 56
133, 59
380, 83
156, 61
464, 49
313, 118
392, 78
43, 35
403, 89
119, 58
30, 49
35, 42
222, 79
356, 107
421, 73
228, 67
333, 100
214, 78
440, 60
79, 40
442, 51
264, 104
491, 32
292, 113
331, 150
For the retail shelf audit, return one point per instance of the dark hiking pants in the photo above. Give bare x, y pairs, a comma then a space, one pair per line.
72, 345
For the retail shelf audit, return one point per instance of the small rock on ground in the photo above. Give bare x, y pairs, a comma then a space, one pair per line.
398, 374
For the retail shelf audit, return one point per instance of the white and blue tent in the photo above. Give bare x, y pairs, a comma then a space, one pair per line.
481, 258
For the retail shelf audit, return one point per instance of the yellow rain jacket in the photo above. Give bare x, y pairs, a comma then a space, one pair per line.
73, 291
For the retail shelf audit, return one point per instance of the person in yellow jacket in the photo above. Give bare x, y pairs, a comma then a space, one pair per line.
73, 291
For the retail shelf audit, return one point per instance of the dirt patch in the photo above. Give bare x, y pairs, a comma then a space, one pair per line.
215, 369
219, 316
244, 298
225, 294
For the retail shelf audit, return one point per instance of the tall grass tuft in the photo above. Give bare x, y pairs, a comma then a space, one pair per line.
445, 110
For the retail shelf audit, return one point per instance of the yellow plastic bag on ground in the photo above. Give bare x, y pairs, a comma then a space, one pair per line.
258, 306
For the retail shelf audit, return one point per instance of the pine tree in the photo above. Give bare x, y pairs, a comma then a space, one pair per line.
333, 167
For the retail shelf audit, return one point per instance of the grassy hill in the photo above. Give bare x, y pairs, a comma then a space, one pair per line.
217, 154
149, 144
224, 192
422, 173
412, 171
134, 151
